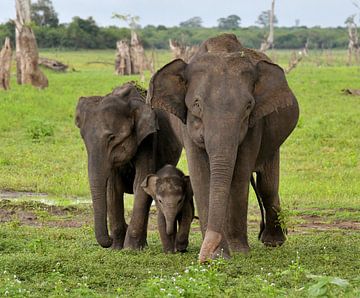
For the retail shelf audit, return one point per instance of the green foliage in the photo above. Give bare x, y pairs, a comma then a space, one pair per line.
194, 281
194, 22
85, 33
264, 19
40, 129
231, 22
44, 14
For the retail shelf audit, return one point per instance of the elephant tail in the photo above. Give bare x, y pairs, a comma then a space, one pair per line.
261, 205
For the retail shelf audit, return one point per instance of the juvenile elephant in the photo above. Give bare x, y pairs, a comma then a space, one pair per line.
173, 196
125, 141
237, 110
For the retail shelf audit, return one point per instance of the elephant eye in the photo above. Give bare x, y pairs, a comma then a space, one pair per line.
196, 108
160, 201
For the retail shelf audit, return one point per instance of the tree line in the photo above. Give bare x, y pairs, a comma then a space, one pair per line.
86, 34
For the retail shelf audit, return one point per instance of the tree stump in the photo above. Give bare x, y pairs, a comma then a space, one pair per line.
181, 51
131, 60
27, 54
5, 64
122, 60
138, 60
269, 42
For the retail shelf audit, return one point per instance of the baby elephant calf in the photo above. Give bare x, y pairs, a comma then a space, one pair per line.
173, 196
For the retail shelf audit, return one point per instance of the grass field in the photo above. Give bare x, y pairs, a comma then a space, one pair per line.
51, 250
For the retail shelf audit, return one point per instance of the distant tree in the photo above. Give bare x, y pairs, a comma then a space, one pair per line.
83, 33
231, 22
264, 19
44, 14
161, 28
132, 21
195, 22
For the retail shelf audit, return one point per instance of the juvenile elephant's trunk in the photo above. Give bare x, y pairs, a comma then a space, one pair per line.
170, 220
98, 183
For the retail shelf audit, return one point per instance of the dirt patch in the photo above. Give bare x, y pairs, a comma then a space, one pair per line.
34, 213
8, 194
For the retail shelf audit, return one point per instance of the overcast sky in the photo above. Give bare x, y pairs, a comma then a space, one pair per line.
325, 13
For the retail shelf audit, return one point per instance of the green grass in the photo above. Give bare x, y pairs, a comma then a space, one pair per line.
41, 151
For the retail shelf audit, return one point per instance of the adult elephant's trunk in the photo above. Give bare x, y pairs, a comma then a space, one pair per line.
222, 162
98, 184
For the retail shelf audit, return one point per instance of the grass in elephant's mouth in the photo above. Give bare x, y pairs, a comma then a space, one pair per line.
53, 252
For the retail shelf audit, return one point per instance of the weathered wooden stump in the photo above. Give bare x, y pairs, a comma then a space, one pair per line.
5, 64
27, 54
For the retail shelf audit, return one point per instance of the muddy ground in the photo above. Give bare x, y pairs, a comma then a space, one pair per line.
28, 211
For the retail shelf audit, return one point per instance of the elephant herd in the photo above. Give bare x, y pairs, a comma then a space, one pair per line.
230, 108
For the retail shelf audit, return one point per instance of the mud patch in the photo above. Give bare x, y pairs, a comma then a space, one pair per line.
8, 194
34, 213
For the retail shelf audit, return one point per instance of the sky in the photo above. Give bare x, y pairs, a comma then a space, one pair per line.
324, 13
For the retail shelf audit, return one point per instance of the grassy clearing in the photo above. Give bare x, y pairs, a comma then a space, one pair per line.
41, 151
43, 259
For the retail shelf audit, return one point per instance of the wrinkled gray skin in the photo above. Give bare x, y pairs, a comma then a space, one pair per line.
237, 109
125, 141
173, 196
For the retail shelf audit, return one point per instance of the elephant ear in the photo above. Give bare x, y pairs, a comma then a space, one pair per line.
84, 105
149, 185
271, 91
145, 120
168, 89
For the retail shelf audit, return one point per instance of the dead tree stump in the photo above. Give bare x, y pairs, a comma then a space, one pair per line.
354, 46
181, 51
122, 60
131, 60
269, 41
5, 64
27, 54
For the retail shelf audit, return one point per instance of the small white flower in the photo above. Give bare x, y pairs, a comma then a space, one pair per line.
186, 270
272, 284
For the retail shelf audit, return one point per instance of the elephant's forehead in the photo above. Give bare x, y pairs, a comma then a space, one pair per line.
169, 186
221, 63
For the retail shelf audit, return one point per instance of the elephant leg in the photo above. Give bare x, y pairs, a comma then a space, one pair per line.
182, 236
168, 241
267, 182
137, 229
115, 201
238, 204
199, 170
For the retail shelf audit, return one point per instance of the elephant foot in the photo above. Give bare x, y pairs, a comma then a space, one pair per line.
239, 246
209, 248
273, 237
181, 246
117, 244
134, 243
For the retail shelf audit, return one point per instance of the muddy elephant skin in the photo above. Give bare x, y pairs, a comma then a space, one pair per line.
125, 141
237, 109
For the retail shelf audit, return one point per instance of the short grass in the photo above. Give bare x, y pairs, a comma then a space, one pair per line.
41, 151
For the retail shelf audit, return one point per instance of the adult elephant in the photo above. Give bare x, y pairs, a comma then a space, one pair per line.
125, 141
237, 109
